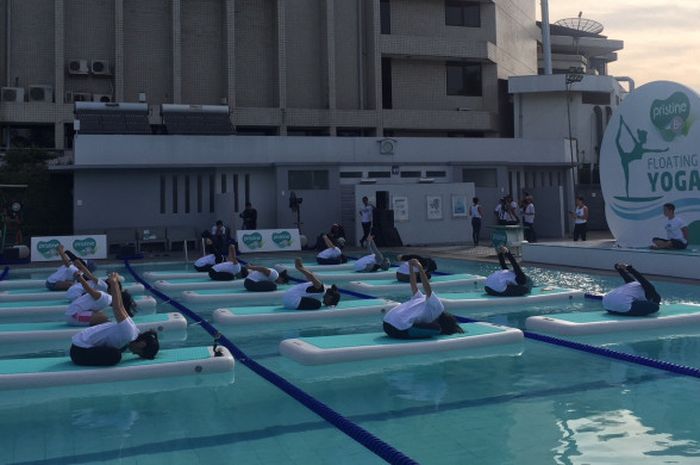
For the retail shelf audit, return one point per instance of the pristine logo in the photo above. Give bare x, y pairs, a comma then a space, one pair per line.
253, 241
671, 116
282, 239
85, 247
48, 249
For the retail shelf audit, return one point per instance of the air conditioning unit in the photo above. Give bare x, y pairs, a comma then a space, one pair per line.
82, 97
78, 66
100, 67
104, 98
12, 94
40, 93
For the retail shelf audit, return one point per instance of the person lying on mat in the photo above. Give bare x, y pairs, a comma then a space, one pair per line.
263, 279
64, 276
77, 290
310, 295
637, 297
507, 283
102, 344
227, 270
331, 255
403, 275
373, 261
424, 315
204, 263
86, 310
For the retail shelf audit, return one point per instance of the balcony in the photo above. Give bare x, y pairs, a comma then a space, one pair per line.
437, 48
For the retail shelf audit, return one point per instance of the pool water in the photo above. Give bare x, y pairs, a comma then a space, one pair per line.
540, 404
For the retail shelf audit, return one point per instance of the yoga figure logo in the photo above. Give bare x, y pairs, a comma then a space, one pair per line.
635, 154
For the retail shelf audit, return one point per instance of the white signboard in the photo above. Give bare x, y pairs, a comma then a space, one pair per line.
649, 157
268, 240
44, 249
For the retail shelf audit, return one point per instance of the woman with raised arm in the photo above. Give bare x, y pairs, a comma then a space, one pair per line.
228, 270
102, 344
373, 261
424, 315
64, 276
310, 295
331, 255
402, 273
77, 289
264, 279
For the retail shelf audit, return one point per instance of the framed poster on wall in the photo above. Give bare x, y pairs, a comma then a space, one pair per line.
434, 207
400, 206
459, 205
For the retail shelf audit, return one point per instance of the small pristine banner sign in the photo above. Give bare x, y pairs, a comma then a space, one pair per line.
268, 240
85, 246
649, 157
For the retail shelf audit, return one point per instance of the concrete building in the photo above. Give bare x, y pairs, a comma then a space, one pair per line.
376, 77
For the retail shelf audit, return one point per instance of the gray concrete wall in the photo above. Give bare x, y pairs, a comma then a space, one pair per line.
306, 76
263, 196
516, 37
419, 229
3, 45
203, 51
550, 211
148, 51
347, 54
32, 54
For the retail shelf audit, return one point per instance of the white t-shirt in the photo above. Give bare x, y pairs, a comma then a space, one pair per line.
474, 210
499, 280
63, 273
366, 213
674, 228
292, 296
227, 267
404, 267
621, 298
215, 230
529, 213
333, 252
76, 290
205, 260
111, 334
85, 303
580, 215
257, 276
362, 263
417, 310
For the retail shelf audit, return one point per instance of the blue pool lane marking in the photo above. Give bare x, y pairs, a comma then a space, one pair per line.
354, 431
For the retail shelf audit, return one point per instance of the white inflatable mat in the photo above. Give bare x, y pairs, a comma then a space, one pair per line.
350, 347
313, 266
18, 295
585, 323
235, 296
451, 281
157, 275
195, 284
469, 300
278, 314
26, 283
53, 309
60, 371
349, 275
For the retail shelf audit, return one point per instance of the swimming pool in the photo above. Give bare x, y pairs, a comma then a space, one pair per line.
541, 404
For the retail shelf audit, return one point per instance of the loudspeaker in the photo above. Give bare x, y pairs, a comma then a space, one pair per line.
382, 200
384, 231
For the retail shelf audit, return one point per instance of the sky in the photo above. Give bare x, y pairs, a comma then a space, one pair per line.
662, 37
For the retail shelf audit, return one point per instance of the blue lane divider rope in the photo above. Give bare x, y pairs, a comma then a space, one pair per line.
359, 434
605, 352
5, 272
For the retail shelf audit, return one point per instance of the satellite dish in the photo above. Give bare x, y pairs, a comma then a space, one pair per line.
581, 24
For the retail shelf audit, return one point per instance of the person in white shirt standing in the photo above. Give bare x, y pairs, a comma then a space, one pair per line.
421, 317
475, 214
580, 216
637, 297
102, 344
676, 231
366, 214
529, 219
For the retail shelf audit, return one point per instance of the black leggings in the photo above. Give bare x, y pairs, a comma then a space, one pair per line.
406, 278
417, 331
95, 356
331, 261
640, 307
203, 269
523, 284
580, 231
221, 275
259, 286
476, 230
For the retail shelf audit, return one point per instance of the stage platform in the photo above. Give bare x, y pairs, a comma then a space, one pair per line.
603, 254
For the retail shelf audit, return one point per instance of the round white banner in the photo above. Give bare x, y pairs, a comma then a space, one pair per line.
649, 157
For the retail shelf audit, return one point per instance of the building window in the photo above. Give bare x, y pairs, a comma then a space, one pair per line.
386, 84
247, 188
385, 16
235, 193
595, 98
307, 179
480, 177
211, 193
410, 174
435, 174
199, 194
464, 79
187, 194
379, 174
162, 194
28, 136
175, 194
224, 186
351, 174
465, 14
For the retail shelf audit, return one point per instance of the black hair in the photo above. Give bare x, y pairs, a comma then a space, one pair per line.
475, 200
284, 277
248, 204
670, 206
218, 258
448, 324
332, 296
129, 303
429, 265
580, 197
219, 223
151, 346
